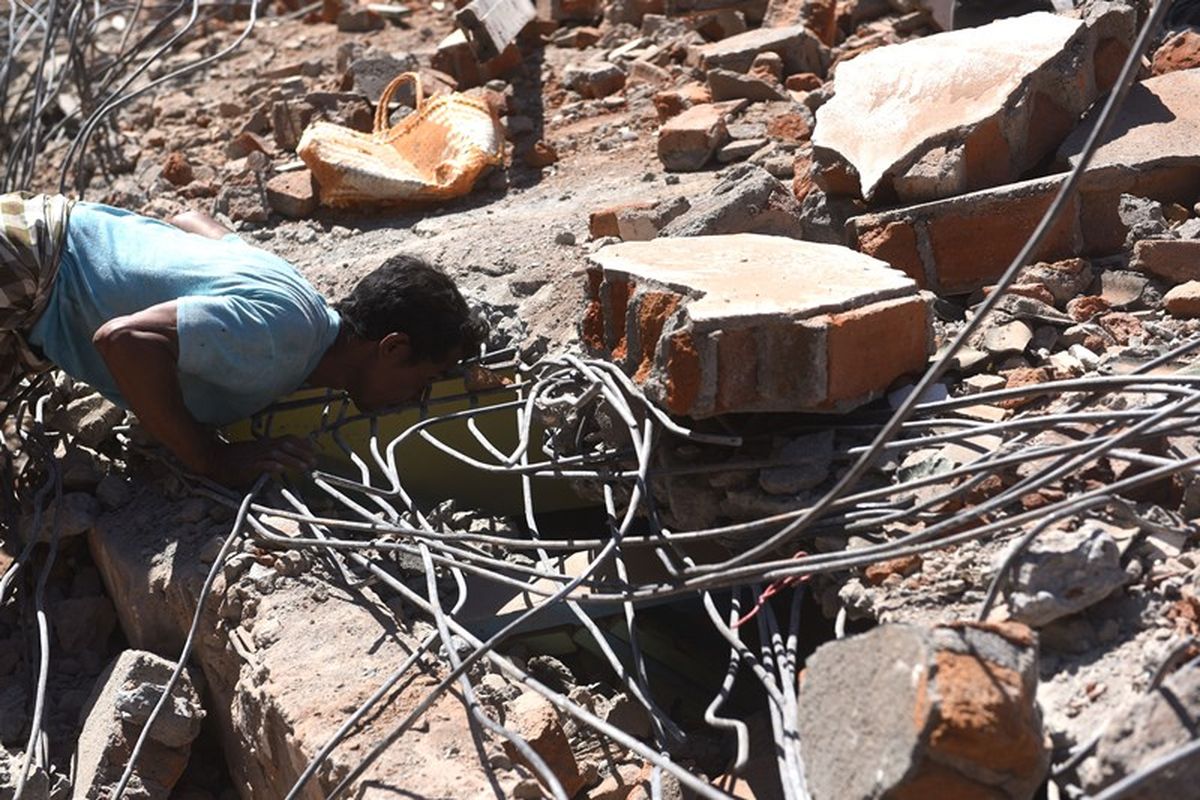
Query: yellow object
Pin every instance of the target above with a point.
(435, 153)
(426, 472)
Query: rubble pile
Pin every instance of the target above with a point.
(741, 232)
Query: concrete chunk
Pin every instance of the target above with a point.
(688, 140)
(800, 50)
(119, 707)
(1151, 727)
(935, 712)
(960, 110)
(747, 322)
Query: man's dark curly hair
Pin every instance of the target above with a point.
(407, 295)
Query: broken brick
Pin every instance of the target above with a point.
(177, 169)
(672, 102)
(687, 141)
(292, 194)
(939, 712)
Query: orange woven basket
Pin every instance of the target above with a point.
(435, 153)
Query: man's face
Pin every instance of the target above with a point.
(393, 377)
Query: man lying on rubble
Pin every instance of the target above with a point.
(189, 327)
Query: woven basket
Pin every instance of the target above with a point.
(435, 153)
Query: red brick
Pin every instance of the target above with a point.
(1174, 260)
(1107, 62)
(672, 102)
(987, 156)
(802, 82)
(1048, 127)
(895, 243)
(606, 221)
(653, 311)
(871, 346)
(789, 128)
(616, 299)
(974, 246)
(177, 170)
(687, 141)
(292, 194)
(683, 372)
(983, 719)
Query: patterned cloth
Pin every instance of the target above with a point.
(32, 231)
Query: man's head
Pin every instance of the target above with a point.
(413, 325)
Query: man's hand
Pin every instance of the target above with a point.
(241, 463)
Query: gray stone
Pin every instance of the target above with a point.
(740, 150)
(1189, 230)
(1151, 727)
(289, 118)
(808, 460)
(370, 75)
(113, 492)
(83, 623)
(725, 84)
(120, 705)
(1144, 219)
(37, 785)
(90, 419)
(924, 707)
(747, 200)
(359, 20)
(1063, 572)
(594, 79)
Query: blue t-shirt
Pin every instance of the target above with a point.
(250, 328)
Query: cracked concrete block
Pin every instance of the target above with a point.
(966, 109)
(119, 707)
(748, 322)
(1150, 727)
(1175, 261)
(937, 712)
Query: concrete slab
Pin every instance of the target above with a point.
(962, 110)
(286, 655)
(749, 322)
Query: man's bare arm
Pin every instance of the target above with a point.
(199, 223)
(141, 351)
